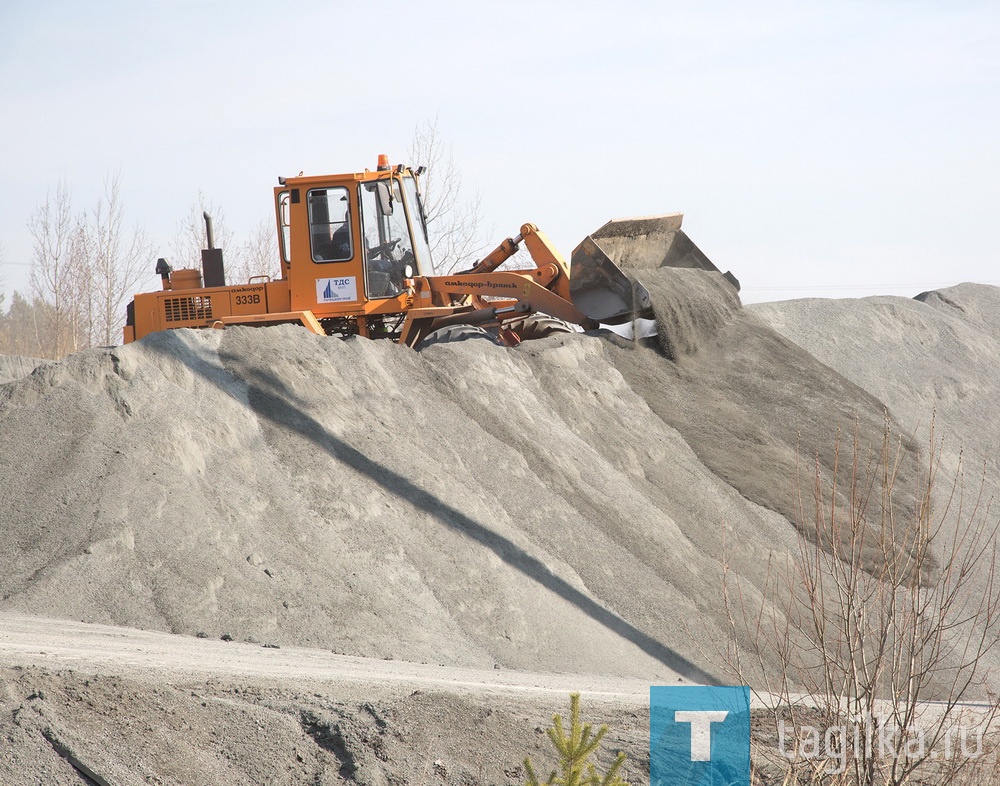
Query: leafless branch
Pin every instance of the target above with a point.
(881, 614)
(455, 224)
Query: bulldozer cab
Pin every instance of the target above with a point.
(349, 242)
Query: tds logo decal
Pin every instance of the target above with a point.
(699, 736)
(337, 290)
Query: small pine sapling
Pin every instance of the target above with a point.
(575, 749)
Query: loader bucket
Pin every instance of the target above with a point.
(606, 266)
(601, 290)
(651, 242)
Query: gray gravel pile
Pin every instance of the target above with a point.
(465, 505)
(251, 732)
(934, 354)
(933, 360)
(564, 506)
(759, 411)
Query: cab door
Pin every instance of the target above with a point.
(325, 267)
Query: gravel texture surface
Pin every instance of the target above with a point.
(563, 508)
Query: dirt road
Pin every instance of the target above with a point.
(109, 650)
(180, 709)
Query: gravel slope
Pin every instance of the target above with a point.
(565, 507)
(562, 506)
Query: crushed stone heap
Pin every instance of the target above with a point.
(563, 506)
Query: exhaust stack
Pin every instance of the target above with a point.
(211, 258)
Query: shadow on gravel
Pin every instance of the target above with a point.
(271, 400)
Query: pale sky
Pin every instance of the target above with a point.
(831, 149)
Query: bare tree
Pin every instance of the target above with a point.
(118, 260)
(80, 285)
(256, 256)
(84, 268)
(888, 651)
(20, 332)
(455, 223)
(55, 270)
(190, 238)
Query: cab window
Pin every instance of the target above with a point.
(330, 225)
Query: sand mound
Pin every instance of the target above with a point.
(932, 359)
(558, 507)
(760, 412)
(128, 731)
(934, 353)
(465, 505)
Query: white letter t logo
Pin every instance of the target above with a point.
(701, 730)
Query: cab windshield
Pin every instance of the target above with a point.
(388, 212)
(418, 221)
